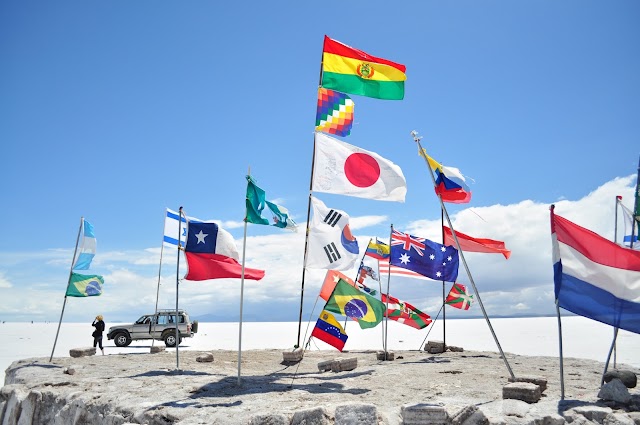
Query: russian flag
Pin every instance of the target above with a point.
(595, 277)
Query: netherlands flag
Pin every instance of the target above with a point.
(595, 277)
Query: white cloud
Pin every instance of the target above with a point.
(522, 284)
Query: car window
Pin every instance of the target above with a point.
(162, 319)
(142, 320)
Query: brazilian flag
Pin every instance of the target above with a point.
(349, 301)
(82, 285)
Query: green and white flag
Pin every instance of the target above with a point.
(256, 202)
(81, 285)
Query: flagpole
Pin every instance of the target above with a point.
(635, 222)
(306, 240)
(422, 151)
(551, 211)
(244, 247)
(153, 340)
(180, 214)
(386, 315)
(444, 314)
(75, 251)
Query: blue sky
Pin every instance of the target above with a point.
(115, 111)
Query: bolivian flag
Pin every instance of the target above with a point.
(350, 302)
(350, 70)
(81, 285)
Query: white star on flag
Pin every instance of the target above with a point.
(201, 236)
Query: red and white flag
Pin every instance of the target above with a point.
(345, 169)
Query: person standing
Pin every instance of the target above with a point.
(98, 323)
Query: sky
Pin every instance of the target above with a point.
(116, 111)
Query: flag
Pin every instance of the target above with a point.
(330, 281)
(172, 227)
(595, 277)
(353, 71)
(405, 313)
(329, 330)
(471, 244)
(348, 170)
(256, 202)
(331, 244)
(335, 112)
(87, 248)
(211, 253)
(350, 302)
(629, 222)
(450, 184)
(81, 285)
(378, 250)
(363, 272)
(385, 270)
(423, 256)
(459, 297)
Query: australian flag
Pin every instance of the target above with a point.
(430, 259)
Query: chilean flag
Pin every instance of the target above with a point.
(595, 277)
(212, 254)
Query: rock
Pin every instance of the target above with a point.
(424, 414)
(317, 416)
(592, 413)
(269, 419)
(292, 356)
(157, 349)
(205, 358)
(538, 380)
(455, 349)
(524, 391)
(435, 347)
(463, 414)
(340, 365)
(519, 408)
(615, 390)
(82, 352)
(382, 355)
(360, 414)
(628, 378)
(325, 365)
(618, 419)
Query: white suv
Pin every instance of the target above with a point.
(160, 326)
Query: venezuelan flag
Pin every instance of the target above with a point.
(329, 330)
(350, 70)
(450, 183)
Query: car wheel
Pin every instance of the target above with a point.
(170, 339)
(122, 339)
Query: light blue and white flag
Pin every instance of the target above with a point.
(87, 248)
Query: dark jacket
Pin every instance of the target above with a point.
(99, 325)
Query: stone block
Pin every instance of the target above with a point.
(157, 348)
(390, 355)
(360, 414)
(82, 352)
(325, 365)
(455, 349)
(424, 414)
(525, 391)
(340, 365)
(435, 347)
(269, 419)
(538, 380)
(292, 356)
(205, 358)
(317, 416)
(628, 377)
(463, 414)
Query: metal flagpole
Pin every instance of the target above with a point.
(75, 251)
(155, 320)
(244, 246)
(177, 335)
(423, 153)
(559, 324)
(386, 316)
(444, 314)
